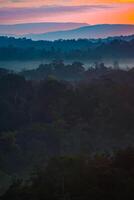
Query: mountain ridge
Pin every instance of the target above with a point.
(88, 32)
(41, 27)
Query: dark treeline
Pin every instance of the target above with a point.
(57, 69)
(52, 117)
(77, 72)
(82, 49)
(99, 177)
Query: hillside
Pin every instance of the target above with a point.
(95, 31)
(21, 29)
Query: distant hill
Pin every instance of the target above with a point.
(95, 31)
(36, 28)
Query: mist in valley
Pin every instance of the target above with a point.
(19, 66)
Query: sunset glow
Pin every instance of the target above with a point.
(95, 12)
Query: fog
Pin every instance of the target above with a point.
(21, 65)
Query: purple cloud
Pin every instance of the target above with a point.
(13, 14)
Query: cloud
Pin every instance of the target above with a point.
(45, 11)
(95, 13)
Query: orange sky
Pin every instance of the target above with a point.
(106, 11)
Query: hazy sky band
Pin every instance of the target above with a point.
(34, 3)
(22, 11)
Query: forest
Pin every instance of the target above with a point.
(81, 49)
(67, 132)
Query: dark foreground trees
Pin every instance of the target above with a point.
(40, 120)
(98, 177)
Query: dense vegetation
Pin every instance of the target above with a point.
(100, 177)
(82, 49)
(57, 69)
(50, 116)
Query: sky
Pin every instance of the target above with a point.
(85, 11)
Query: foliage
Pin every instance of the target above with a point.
(98, 177)
(82, 49)
(68, 120)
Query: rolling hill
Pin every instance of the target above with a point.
(36, 28)
(95, 31)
